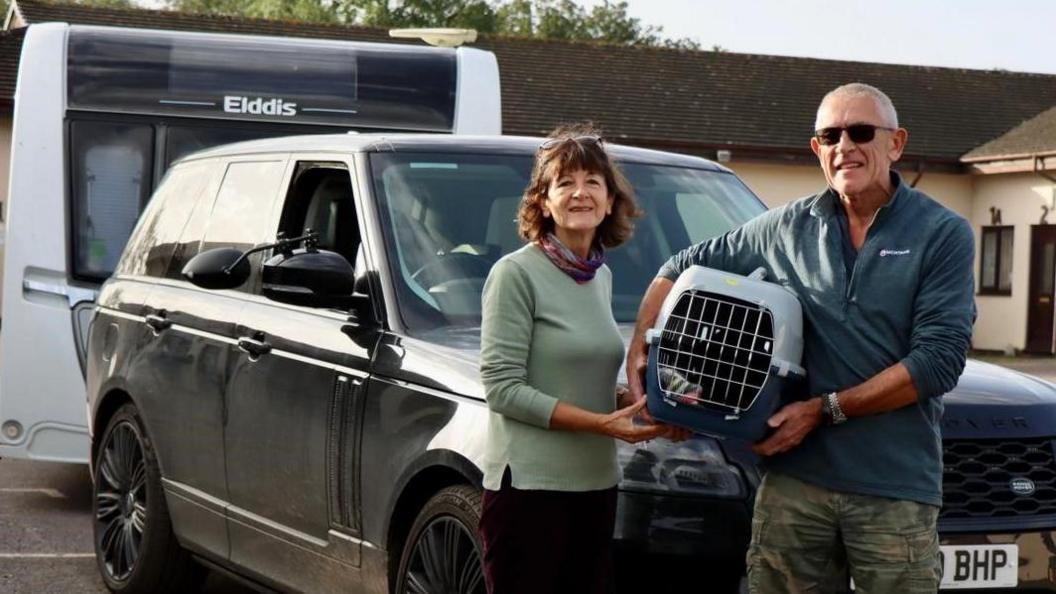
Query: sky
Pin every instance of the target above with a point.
(1017, 35)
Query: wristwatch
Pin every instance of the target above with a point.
(831, 413)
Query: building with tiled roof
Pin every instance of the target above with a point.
(690, 101)
(753, 112)
(1022, 146)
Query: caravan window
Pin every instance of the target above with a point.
(181, 141)
(111, 179)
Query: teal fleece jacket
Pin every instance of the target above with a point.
(908, 298)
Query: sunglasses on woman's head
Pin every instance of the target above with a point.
(552, 142)
(858, 133)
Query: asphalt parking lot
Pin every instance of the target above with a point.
(46, 532)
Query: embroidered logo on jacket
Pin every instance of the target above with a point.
(886, 253)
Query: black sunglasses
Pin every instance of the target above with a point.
(858, 133)
(552, 142)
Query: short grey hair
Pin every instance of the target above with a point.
(887, 109)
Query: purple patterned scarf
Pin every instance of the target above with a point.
(581, 270)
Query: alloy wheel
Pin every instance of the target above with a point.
(121, 500)
(445, 560)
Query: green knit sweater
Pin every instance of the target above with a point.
(546, 339)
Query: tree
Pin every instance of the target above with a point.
(6, 4)
(545, 19)
(298, 10)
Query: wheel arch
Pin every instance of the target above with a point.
(112, 399)
(432, 472)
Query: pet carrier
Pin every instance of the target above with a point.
(723, 349)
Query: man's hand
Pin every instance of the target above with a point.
(638, 351)
(793, 422)
(636, 364)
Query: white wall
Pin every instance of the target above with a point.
(779, 184)
(954, 191)
(5, 169)
(1002, 321)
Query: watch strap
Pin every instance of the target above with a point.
(835, 413)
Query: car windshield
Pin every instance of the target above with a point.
(448, 217)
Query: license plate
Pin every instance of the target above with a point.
(979, 566)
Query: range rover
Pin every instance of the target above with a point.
(283, 385)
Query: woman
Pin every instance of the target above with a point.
(550, 352)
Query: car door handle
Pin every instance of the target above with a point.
(157, 322)
(254, 347)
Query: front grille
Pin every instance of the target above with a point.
(715, 351)
(978, 477)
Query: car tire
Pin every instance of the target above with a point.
(135, 548)
(427, 566)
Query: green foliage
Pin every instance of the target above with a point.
(6, 4)
(544, 19)
(297, 10)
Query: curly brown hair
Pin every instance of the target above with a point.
(570, 148)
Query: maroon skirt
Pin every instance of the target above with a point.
(538, 541)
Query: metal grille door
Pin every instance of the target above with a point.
(715, 351)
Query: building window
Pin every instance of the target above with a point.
(995, 274)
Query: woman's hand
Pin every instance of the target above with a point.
(625, 398)
(620, 424)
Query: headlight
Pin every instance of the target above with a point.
(693, 467)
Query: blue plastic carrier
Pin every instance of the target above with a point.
(722, 351)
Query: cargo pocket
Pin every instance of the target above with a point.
(925, 571)
(922, 546)
(756, 566)
(759, 521)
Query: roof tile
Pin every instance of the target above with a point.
(693, 100)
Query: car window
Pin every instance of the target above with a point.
(158, 232)
(448, 218)
(239, 217)
(320, 200)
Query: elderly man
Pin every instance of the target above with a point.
(853, 475)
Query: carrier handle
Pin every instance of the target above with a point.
(758, 274)
(652, 336)
(784, 368)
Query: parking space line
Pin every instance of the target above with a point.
(49, 492)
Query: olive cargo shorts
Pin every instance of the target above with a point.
(810, 539)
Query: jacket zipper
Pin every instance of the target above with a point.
(854, 269)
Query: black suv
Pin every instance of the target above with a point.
(282, 378)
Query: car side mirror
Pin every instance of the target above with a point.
(218, 268)
(362, 284)
(316, 278)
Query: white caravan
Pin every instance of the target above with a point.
(101, 112)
